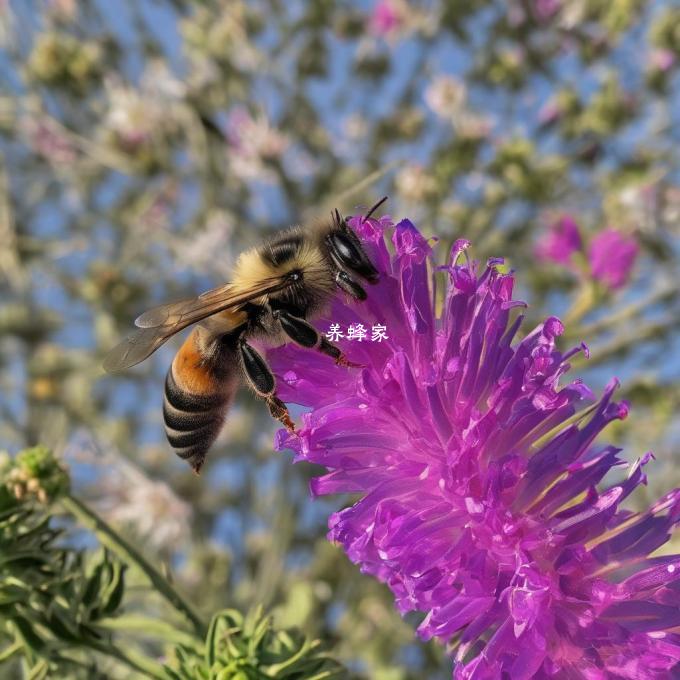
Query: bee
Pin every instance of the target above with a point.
(276, 289)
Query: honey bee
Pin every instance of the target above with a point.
(276, 289)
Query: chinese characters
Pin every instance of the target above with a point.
(358, 332)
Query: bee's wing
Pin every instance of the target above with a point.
(160, 323)
(196, 307)
(140, 344)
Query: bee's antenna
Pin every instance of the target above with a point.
(374, 208)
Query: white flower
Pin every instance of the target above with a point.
(670, 211)
(572, 14)
(446, 96)
(473, 125)
(355, 127)
(252, 141)
(209, 250)
(414, 183)
(160, 81)
(137, 115)
(125, 496)
(44, 136)
(65, 10)
(131, 117)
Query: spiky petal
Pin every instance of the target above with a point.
(482, 501)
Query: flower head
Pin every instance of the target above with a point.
(415, 183)
(612, 255)
(140, 122)
(560, 242)
(252, 142)
(33, 474)
(662, 59)
(126, 496)
(46, 139)
(546, 9)
(445, 96)
(385, 17)
(481, 501)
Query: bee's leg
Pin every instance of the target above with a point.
(305, 335)
(261, 379)
(345, 282)
(340, 359)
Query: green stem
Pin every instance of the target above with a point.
(10, 651)
(582, 304)
(605, 351)
(149, 626)
(109, 538)
(137, 661)
(271, 569)
(628, 312)
(362, 184)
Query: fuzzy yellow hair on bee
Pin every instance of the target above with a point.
(277, 287)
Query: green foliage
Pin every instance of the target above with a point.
(145, 144)
(60, 606)
(61, 60)
(34, 474)
(665, 30)
(249, 648)
(52, 598)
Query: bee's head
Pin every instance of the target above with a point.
(346, 250)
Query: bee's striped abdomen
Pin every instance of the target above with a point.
(198, 391)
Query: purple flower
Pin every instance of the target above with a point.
(546, 9)
(612, 255)
(481, 500)
(385, 18)
(662, 59)
(46, 139)
(549, 113)
(560, 242)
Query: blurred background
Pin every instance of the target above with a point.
(145, 143)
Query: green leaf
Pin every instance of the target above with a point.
(60, 625)
(93, 585)
(39, 671)
(29, 637)
(112, 596)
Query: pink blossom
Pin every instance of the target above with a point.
(46, 139)
(611, 256)
(546, 9)
(662, 59)
(385, 18)
(560, 242)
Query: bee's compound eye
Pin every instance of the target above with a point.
(351, 255)
(345, 249)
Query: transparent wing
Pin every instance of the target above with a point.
(140, 344)
(159, 324)
(199, 307)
